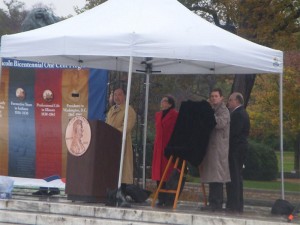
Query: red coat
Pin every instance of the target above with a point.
(163, 131)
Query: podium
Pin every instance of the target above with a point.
(90, 175)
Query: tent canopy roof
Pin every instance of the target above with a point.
(164, 33)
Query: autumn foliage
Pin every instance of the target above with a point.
(264, 104)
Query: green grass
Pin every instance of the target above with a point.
(272, 185)
(288, 161)
(262, 185)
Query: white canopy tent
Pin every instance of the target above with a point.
(135, 35)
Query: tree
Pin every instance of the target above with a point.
(292, 102)
(223, 13)
(89, 5)
(273, 23)
(10, 21)
(264, 107)
(4, 21)
(15, 19)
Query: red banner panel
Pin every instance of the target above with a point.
(48, 103)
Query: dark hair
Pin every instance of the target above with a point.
(217, 90)
(171, 100)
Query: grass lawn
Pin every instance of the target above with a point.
(273, 185)
(263, 185)
(288, 163)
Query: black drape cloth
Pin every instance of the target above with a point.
(191, 133)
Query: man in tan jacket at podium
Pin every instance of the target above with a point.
(115, 118)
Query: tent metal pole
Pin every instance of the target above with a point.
(145, 126)
(125, 121)
(281, 131)
(0, 68)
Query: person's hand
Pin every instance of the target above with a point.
(111, 98)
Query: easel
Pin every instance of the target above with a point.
(177, 191)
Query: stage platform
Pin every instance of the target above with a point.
(25, 208)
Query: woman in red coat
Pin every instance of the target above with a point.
(164, 124)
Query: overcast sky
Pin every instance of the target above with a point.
(61, 7)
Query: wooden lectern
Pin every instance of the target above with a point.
(90, 175)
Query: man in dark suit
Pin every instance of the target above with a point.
(238, 147)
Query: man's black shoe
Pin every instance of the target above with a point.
(211, 208)
(233, 211)
(54, 191)
(41, 191)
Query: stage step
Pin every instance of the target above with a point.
(45, 211)
(13, 217)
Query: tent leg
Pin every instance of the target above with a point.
(125, 121)
(145, 128)
(281, 132)
(0, 68)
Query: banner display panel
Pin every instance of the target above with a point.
(4, 122)
(37, 100)
(97, 94)
(74, 102)
(21, 123)
(48, 122)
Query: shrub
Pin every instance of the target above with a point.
(193, 171)
(261, 163)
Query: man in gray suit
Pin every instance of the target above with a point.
(214, 168)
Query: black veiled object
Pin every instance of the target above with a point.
(191, 133)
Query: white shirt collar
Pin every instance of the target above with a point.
(236, 108)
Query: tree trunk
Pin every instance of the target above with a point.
(243, 83)
(297, 154)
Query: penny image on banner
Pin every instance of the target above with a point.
(78, 135)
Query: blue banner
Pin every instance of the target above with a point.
(97, 94)
(21, 123)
